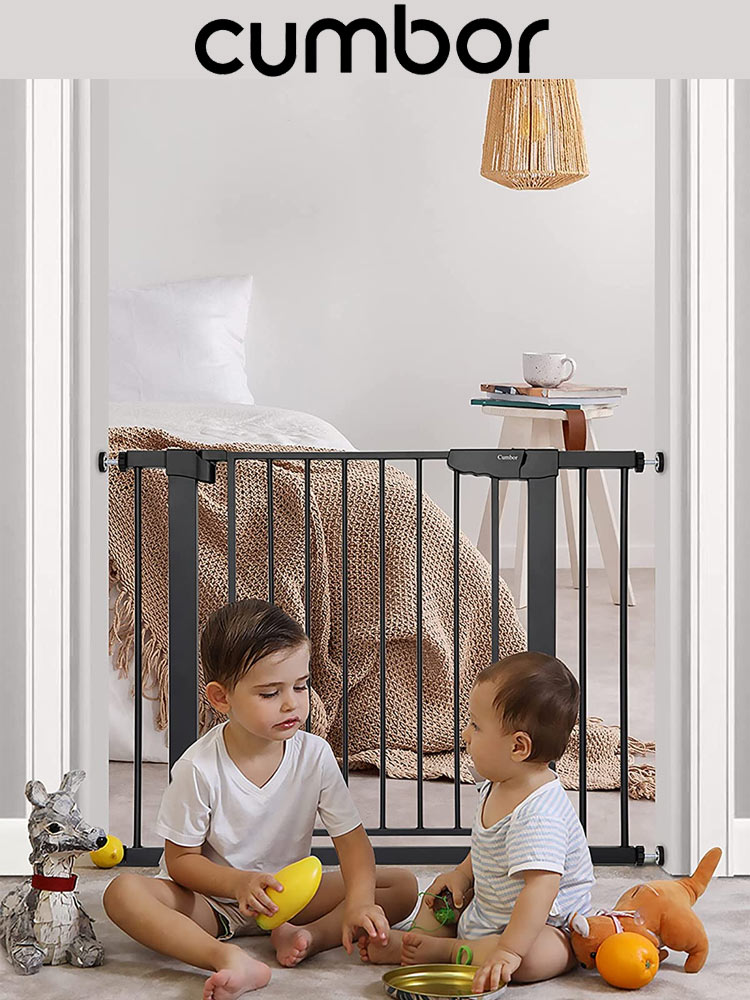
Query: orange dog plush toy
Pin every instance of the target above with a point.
(661, 911)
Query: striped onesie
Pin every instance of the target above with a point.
(542, 833)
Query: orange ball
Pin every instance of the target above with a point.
(627, 960)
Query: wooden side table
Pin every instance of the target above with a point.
(524, 427)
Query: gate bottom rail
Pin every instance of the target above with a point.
(425, 854)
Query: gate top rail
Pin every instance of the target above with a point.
(513, 463)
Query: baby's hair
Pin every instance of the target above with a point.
(535, 694)
(238, 635)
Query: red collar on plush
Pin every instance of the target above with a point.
(52, 884)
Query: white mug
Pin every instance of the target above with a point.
(547, 370)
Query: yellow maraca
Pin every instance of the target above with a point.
(300, 881)
(110, 855)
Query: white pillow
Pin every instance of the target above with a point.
(180, 342)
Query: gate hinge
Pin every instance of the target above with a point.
(657, 461)
(644, 857)
(197, 465)
(104, 463)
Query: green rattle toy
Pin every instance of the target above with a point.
(444, 914)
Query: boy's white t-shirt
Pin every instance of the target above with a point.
(210, 802)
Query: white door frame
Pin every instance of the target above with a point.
(66, 540)
(89, 568)
(694, 516)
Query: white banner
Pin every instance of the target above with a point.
(585, 38)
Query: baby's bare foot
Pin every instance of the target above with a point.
(240, 974)
(422, 949)
(373, 950)
(292, 944)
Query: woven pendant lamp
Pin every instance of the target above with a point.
(534, 136)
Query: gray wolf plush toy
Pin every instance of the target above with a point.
(41, 920)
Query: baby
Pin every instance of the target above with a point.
(529, 868)
(241, 805)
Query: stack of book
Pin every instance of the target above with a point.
(565, 397)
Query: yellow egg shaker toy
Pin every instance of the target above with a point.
(110, 855)
(300, 881)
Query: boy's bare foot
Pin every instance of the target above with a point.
(422, 949)
(372, 950)
(292, 944)
(240, 974)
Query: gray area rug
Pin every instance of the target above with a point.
(131, 971)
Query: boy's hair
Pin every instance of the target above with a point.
(238, 635)
(535, 694)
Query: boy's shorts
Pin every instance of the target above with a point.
(232, 923)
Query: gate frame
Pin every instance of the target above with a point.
(538, 467)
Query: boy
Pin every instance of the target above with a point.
(242, 804)
(529, 868)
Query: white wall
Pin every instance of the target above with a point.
(390, 278)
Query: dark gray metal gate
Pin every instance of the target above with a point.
(539, 468)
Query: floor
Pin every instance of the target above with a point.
(132, 971)
(602, 673)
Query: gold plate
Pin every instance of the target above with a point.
(435, 982)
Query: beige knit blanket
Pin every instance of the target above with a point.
(326, 578)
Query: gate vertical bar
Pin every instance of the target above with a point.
(495, 561)
(307, 548)
(345, 615)
(420, 762)
(542, 561)
(138, 667)
(381, 561)
(308, 721)
(183, 615)
(231, 530)
(582, 646)
(456, 651)
(623, 595)
(269, 499)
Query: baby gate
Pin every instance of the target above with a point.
(538, 468)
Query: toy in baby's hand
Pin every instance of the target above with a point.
(660, 911)
(444, 909)
(300, 881)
